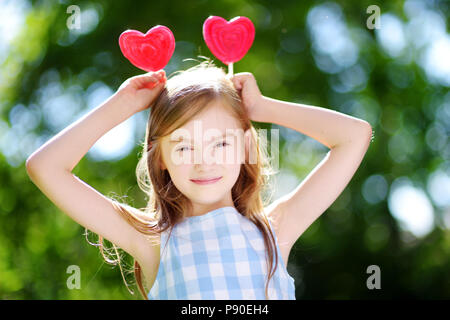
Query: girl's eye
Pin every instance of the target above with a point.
(181, 149)
(223, 144)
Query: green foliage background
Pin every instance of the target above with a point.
(38, 242)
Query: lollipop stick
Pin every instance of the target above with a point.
(230, 69)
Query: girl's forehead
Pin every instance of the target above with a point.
(199, 130)
(213, 122)
(216, 109)
(212, 119)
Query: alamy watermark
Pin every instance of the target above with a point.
(74, 20)
(374, 281)
(74, 280)
(373, 21)
(229, 148)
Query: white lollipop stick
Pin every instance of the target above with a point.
(230, 69)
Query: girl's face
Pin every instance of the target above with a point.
(211, 145)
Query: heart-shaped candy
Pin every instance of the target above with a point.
(228, 41)
(151, 51)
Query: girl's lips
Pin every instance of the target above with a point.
(206, 181)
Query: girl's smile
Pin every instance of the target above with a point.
(206, 181)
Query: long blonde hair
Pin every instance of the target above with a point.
(186, 94)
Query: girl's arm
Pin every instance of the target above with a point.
(329, 127)
(347, 137)
(50, 168)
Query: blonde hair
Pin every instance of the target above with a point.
(186, 94)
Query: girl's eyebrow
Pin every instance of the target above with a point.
(181, 138)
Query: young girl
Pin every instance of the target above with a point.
(205, 233)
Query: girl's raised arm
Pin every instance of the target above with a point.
(50, 167)
(347, 137)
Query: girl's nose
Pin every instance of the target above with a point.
(201, 156)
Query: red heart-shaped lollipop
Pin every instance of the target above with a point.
(228, 41)
(151, 51)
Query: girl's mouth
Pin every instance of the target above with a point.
(206, 181)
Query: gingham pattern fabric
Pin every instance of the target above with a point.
(218, 255)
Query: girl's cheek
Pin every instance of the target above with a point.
(184, 170)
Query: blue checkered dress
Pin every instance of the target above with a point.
(218, 255)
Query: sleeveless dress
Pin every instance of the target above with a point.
(218, 255)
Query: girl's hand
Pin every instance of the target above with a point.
(140, 91)
(251, 97)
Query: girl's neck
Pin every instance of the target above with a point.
(201, 209)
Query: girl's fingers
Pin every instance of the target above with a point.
(152, 84)
(148, 82)
(160, 77)
(237, 84)
(160, 74)
(152, 78)
(157, 74)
